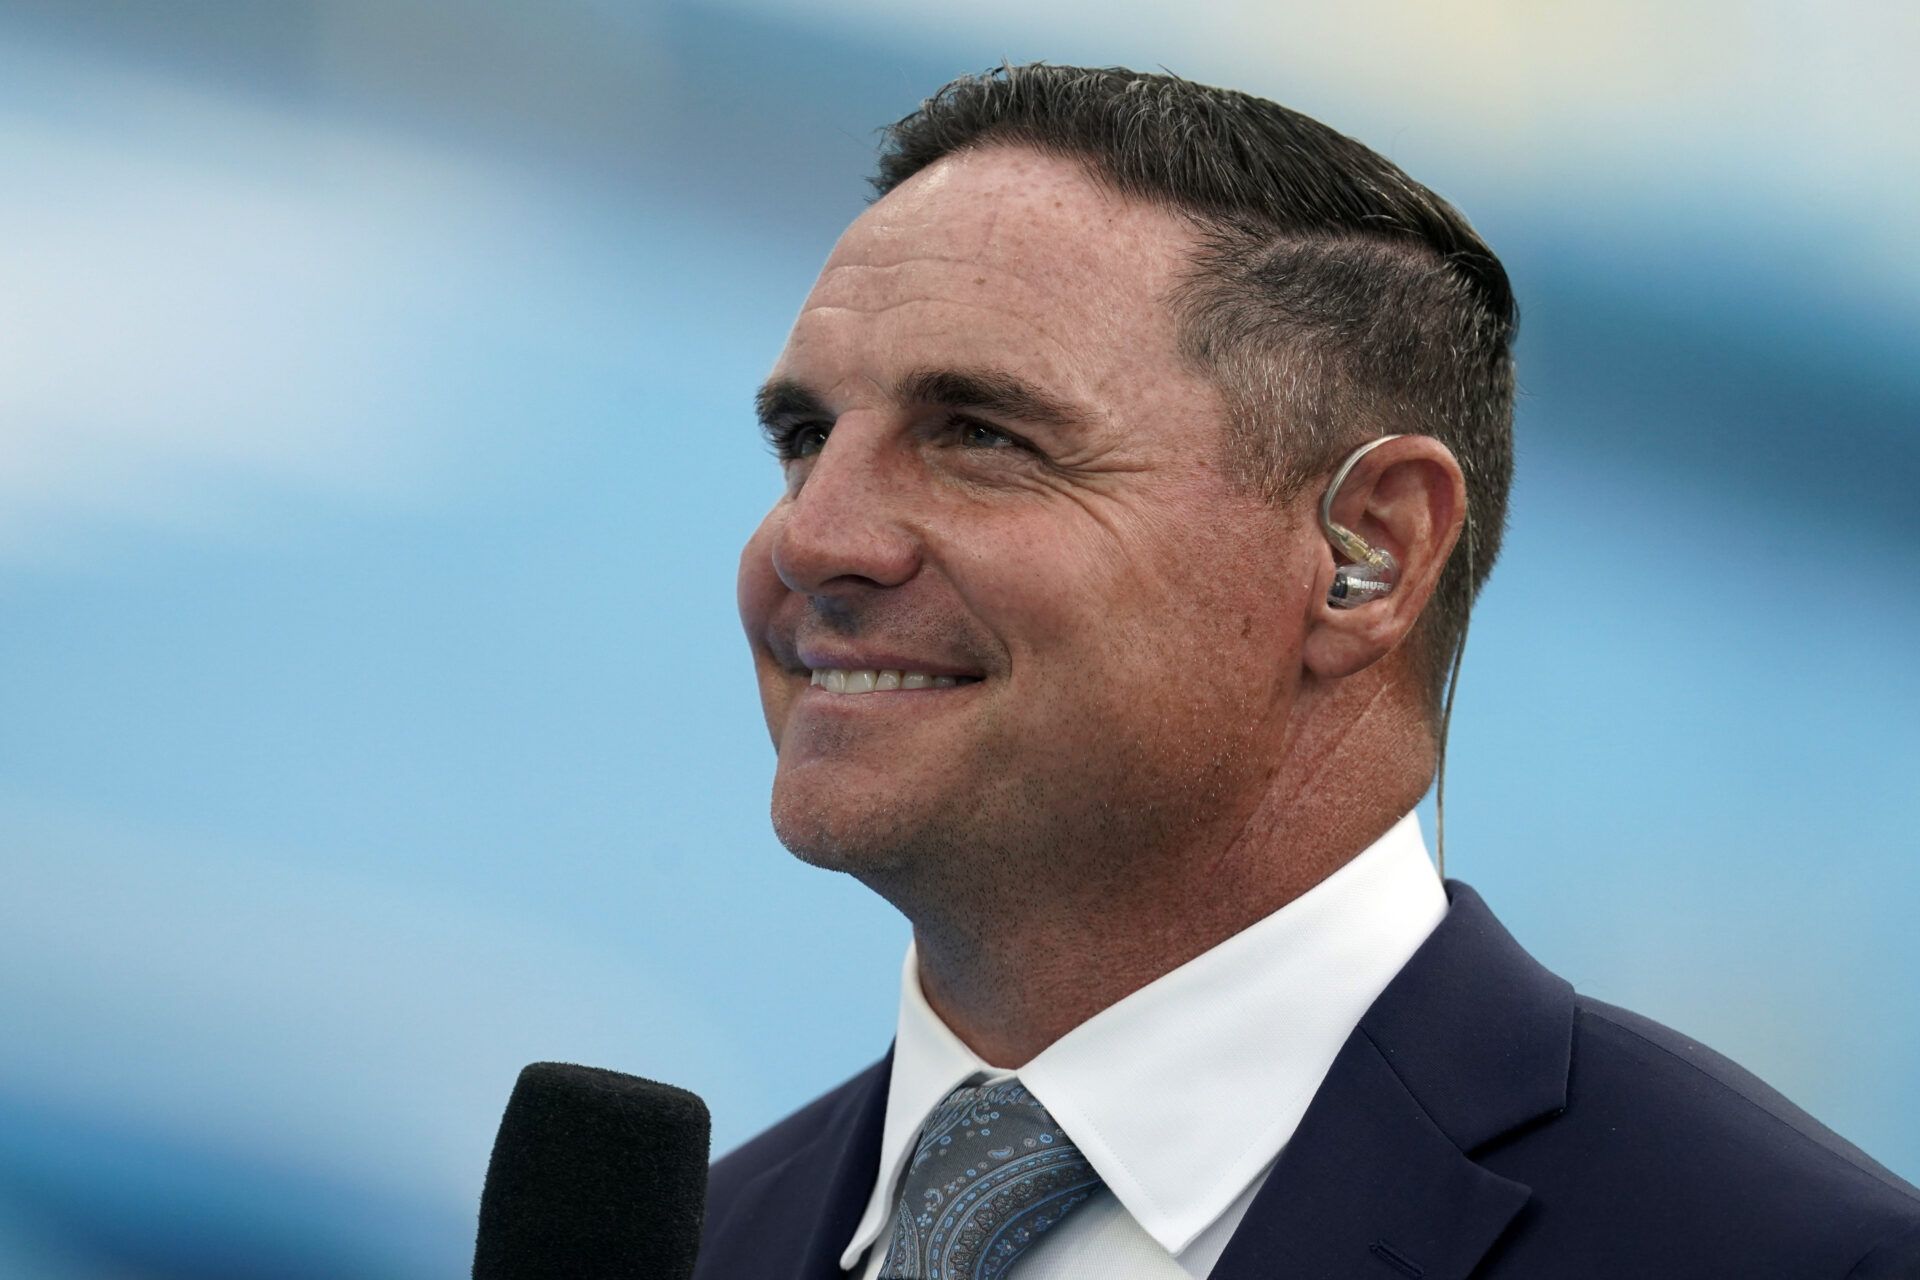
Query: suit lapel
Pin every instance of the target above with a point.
(794, 1218)
(1369, 1187)
(1468, 1042)
(849, 1163)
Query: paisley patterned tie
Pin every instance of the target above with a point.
(990, 1174)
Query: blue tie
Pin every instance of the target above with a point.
(990, 1175)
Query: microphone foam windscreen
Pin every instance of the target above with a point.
(595, 1175)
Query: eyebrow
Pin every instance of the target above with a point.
(994, 390)
(782, 399)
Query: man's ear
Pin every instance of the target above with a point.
(1406, 497)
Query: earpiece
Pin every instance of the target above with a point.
(1371, 572)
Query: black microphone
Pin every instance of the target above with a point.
(595, 1175)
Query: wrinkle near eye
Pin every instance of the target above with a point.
(1102, 459)
(1034, 477)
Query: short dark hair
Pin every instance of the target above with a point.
(1332, 298)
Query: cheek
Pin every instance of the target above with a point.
(758, 588)
(758, 592)
(1184, 603)
(1043, 595)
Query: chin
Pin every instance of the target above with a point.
(861, 835)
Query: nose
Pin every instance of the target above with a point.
(848, 525)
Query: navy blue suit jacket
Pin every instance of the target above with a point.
(1482, 1120)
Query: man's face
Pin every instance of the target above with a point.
(1001, 470)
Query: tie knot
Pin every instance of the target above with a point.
(995, 1121)
(990, 1174)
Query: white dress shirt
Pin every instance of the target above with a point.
(1182, 1094)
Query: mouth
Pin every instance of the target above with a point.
(849, 681)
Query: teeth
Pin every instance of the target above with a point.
(834, 680)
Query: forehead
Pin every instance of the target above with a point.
(1000, 256)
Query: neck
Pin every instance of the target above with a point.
(1011, 981)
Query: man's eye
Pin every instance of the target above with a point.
(805, 439)
(801, 440)
(978, 435)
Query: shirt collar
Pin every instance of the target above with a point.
(1181, 1093)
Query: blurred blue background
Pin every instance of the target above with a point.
(375, 449)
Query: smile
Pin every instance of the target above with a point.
(836, 680)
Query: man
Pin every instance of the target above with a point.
(1063, 657)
